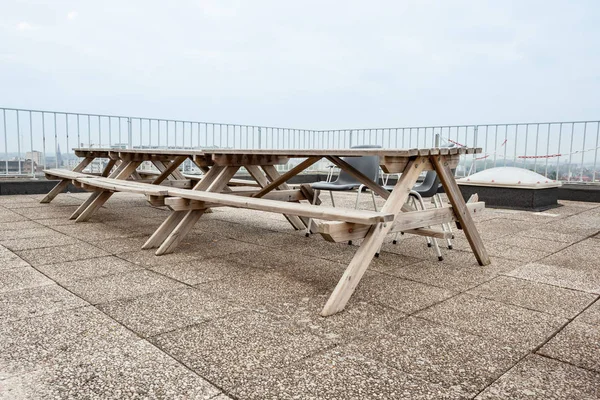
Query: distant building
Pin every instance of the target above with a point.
(23, 167)
(36, 156)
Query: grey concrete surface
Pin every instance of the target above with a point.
(234, 312)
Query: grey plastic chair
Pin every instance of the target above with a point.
(429, 187)
(368, 165)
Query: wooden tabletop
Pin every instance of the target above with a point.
(296, 153)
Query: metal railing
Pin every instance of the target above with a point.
(36, 139)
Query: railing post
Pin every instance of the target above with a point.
(129, 135)
(259, 138)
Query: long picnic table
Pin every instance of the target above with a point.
(189, 197)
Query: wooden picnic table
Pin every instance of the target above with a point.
(189, 202)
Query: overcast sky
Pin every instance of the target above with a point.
(305, 64)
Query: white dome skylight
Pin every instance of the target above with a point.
(509, 177)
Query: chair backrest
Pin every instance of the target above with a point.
(368, 165)
(431, 183)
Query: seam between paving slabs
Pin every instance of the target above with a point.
(135, 333)
(537, 348)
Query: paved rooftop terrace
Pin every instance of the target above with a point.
(234, 312)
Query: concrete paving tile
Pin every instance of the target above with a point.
(314, 246)
(451, 276)
(16, 198)
(581, 256)
(585, 281)
(572, 227)
(197, 271)
(230, 351)
(538, 377)
(553, 236)
(516, 253)
(97, 232)
(21, 278)
(83, 354)
(553, 300)
(262, 258)
(103, 289)
(340, 374)
(317, 272)
(52, 255)
(160, 312)
(400, 294)
(265, 291)
(9, 260)
(88, 268)
(5, 227)
(221, 397)
(357, 319)
(122, 245)
(516, 326)
(36, 301)
(46, 211)
(29, 343)
(591, 315)
(578, 344)
(9, 216)
(546, 245)
(147, 258)
(439, 354)
(55, 221)
(51, 240)
(36, 230)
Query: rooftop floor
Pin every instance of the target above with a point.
(234, 312)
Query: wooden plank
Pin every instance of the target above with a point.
(273, 175)
(62, 185)
(306, 210)
(205, 154)
(372, 243)
(460, 208)
(108, 167)
(179, 203)
(120, 166)
(169, 170)
(362, 178)
(241, 160)
(279, 180)
(192, 216)
(344, 231)
(430, 232)
(164, 230)
(124, 173)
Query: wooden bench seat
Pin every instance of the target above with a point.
(59, 173)
(210, 199)
(232, 182)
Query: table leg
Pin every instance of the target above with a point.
(260, 178)
(129, 168)
(169, 170)
(374, 239)
(297, 222)
(62, 185)
(460, 208)
(223, 176)
(165, 229)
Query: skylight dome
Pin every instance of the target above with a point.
(509, 177)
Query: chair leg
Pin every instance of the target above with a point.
(332, 201)
(437, 201)
(315, 197)
(360, 188)
(430, 241)
(374, 202)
